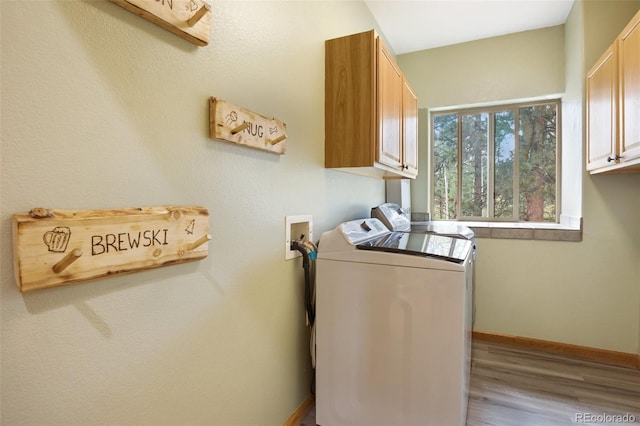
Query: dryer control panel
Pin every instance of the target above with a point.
(392, 216)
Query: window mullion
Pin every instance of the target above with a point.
(516, 165)
(491, 159)
(458, 200)
(558, 191)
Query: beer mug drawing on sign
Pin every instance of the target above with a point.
(57, 239)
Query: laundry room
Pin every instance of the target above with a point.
(185, 305)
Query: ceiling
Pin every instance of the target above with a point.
(411, 25)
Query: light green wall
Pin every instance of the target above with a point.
(617, 196)
(603, 21)
(584, 293)
(489, 70)
(103, 109)
(514, 66)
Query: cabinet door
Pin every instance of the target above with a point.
(602, 110)
(350, 101)
(410, 128)
(389, 109)
(629, 52)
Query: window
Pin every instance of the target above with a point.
(497, 163)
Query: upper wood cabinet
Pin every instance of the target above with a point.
(371, 111)
(410, 130)
(613, 106)
(629, 89)
(602, 96)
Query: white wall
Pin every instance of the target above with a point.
(103, 109)
(584, 293)
(573, 158)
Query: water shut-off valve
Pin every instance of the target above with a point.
(306, 248)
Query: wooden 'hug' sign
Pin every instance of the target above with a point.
(59, 247)
(235, 124)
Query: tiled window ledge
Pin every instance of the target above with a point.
(525, 231)
(570, 229)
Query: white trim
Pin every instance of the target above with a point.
(521, 225)
(571, 222)
(497, 103)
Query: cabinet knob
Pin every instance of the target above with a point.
(614, 158)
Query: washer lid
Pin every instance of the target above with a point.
(450, 248)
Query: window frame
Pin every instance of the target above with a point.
(492, 109)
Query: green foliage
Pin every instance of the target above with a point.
(524, 187)
(538, 163)
(475, 139)
(504, 152)
(445, 165)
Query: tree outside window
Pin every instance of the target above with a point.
(496, 164)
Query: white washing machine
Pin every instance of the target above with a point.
(393, 326)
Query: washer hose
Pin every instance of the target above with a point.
(308, 251)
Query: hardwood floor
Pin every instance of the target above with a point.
(523, 387)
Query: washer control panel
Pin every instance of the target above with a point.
(357, 231)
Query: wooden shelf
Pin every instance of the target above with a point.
(189, 19)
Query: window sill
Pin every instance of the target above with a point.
(569, 229)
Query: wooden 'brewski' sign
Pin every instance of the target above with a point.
(235, 124)
(59, 247)
(190, 19)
